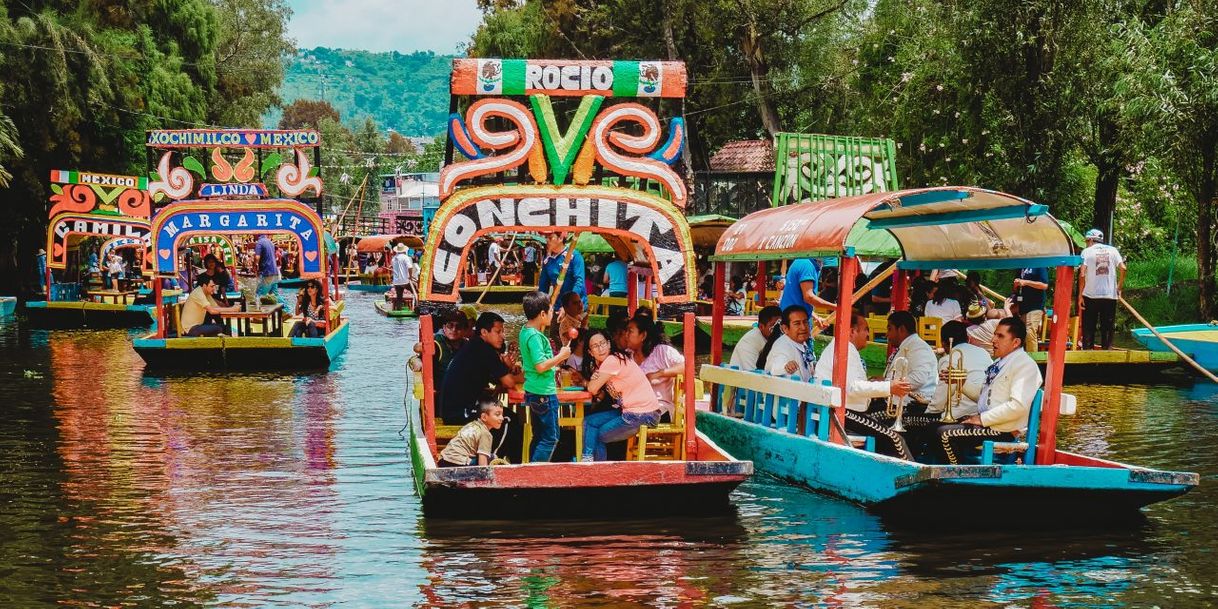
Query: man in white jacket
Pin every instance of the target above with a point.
(859, 392)
(920, 367)
(1005, 400)
(792, 353)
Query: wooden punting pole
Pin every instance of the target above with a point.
(718, 308)
(1050, 407)
(158, 298)
(848, 270)
(691, 443)
(759, 284)
(427, 335)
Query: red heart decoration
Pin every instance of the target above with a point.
(310, 256)
(165, 254)
(249, 138)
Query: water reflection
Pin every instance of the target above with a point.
(273, 490)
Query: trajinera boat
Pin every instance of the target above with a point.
(641, 202)
(1198, 340)
(795, 430)
(93, 215)
(255, 335)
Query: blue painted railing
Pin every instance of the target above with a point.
(776, 411)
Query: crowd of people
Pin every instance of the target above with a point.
(629, 368)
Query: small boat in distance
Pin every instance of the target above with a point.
(1200, 341)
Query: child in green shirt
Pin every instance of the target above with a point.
(538, 360)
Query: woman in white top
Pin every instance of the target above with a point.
(943, 304)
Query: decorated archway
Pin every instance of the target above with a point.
(656, 225)
(64, 227)
(176, 224)
(220, 243)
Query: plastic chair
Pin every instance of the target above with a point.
(928, 329)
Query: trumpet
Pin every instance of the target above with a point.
(954, 375)
(896, 406)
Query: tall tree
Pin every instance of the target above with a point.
(307, 113)
(1170, 90)
(250, 53)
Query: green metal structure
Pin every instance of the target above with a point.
(813, 167)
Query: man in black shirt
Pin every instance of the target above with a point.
(475, 368)
(1030, 289)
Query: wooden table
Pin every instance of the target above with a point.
(272, 324)
(112, 296)
(570, 414)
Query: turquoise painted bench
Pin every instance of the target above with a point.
(778, 411)
(1009, 452)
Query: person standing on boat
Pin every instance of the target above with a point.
(636, 405)
(402, 270)
(1100, 281)
(529, 263)
(539, 362)
(268, 269)
(792, 353)
(860, 391)
(802, 287)
(1005, 401)
(475, 368)
(494, 258)
(1030, 289)
(744, 356)
(573, 281)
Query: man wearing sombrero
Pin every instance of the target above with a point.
(402, 264)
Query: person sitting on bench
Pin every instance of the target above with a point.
(1011, 384)
(859, 391)
(200, 314)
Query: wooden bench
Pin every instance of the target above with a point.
(928, 330)
(664, 440)
(599, 305)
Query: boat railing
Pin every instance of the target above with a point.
(783, 403)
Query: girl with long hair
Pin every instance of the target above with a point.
(311, 306)
(635, 403)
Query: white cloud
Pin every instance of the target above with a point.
(384, 25)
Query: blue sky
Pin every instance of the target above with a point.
(383, 25)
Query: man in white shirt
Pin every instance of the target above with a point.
(792, 352)
(1100, 280)
(922, 370)
(402, 270)
(494, 257)
(748, 348)
(1005, 400)
(859, 392)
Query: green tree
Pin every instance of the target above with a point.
(250, 53)
(307, 114)
(1169, 89)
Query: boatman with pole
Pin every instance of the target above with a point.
(1101, 278)
(554, 264)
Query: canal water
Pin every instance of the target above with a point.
(222, 490)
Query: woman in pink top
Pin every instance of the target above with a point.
(660, 361)
(617, 374)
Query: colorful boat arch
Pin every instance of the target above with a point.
(67, 225)
(656, 225)
(228, 253)
(176, 224)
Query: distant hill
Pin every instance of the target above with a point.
(408, 93)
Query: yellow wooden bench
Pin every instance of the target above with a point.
(928, 329)
(664, 440)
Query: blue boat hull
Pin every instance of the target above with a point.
(907, 492)
(360, 287)
(1203, 350)
(8, 304)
